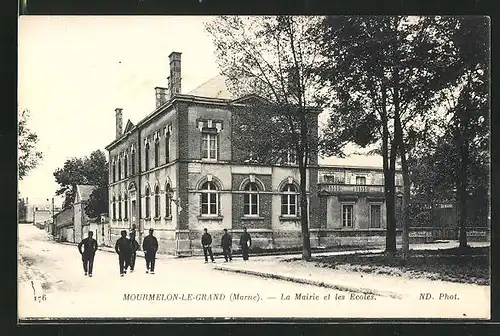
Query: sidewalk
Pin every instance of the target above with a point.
(377, 284)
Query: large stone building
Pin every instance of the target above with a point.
(177, 171)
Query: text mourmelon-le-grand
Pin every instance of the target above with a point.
(188, 297)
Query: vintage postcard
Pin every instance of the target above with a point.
(253, 167)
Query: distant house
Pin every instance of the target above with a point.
(73, 224)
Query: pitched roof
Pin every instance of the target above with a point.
(214, 88)
(83, 192)
(129, 126)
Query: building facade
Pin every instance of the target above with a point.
(178, 172)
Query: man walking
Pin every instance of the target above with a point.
(245, 243)
(134, 246)
(150, 246)
(226, 243)
(122, 248)
(89, 248)
(206, 242)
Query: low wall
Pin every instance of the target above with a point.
(265, 239)
(429, 234)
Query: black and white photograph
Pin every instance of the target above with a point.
(236, 167)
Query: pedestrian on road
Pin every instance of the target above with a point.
(226, 243)
(150, 247)
(134, 246)
(206, 241)
(122, 247)
(245, 243)
(89, 248)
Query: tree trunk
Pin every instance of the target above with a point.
(462, 192)
(388, 164)
(390, 199)
(304, 224)
(304, 211)
(398, 137)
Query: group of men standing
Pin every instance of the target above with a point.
(126, 248)
(226, 243)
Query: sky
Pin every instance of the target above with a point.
(74, 71)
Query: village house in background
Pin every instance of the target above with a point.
(36, 211)
(176, 171)
(72, 224)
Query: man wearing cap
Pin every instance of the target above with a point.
(89, 245)
(226, 243)
(150, 246)
(134, 246)
(206, 242)
(245, 243)
(122, 248)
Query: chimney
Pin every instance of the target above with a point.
(119, 122)
(161, 96)
(175, 73)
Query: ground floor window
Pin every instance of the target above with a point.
(251, 200)
(375, 210)
(347, 213)
(289, 201)
(209, 199)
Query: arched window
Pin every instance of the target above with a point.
(289, 200)
(120, 207)
(119, 168)
(168, 200)
(147, 204)
(114, 208)
(113, 168)
(157, 202)
(209, 199)
(251, 200)
(125, 206)
(132, 159)
(125, 166)
(157, 152)
(146, 157)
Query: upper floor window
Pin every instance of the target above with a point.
(146, 157)
(147, 204)
(251, 200)
(291, 157)
(125, 165)
(157, 202)
(119, 168)
(157, 152)
(347, 213)
(113, 169)
(209, 145)
(289, 200)
(209, 199)
(167, 147)
(132, 162)
(361, 180)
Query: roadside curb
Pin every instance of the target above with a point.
(390, 294)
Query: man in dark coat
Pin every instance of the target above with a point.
(122, 248)
(206, 242)
(226, 243)
(150, 247)
(134, 246)
(89, 248)
(245, 243)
